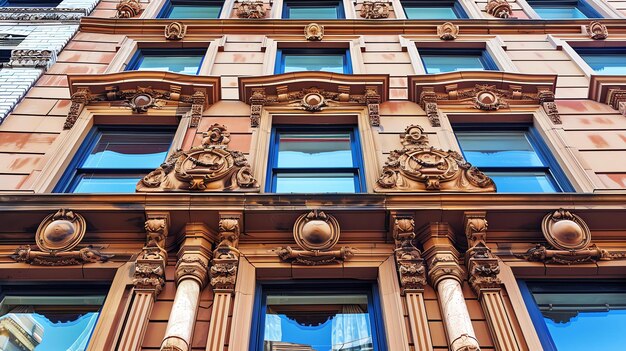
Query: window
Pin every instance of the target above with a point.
(568, 9)
(328, 60)
(577, 315)
(187, 9)
(604, 60)
(451, 60)
(428, 9)
(31, 321)
(309, 318)
(185, 61)
(313, 9)
(515, 158)
(315, 160)
(29, 3)
(114, 160)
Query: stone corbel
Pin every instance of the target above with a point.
(499, 8)
(410, 263)
(150, 264)
(257, 100)
(79, 99)
(428, 102)
(198, 100)
(374, 9)
(481, 263)
(226, 256)
(372, 99)
(546, 99)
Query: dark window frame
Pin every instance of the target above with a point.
(279, 66)
(374, 305)
(355, 144)
(551, 167)
(287, 4)
(72, 175)
(455, 5)
(581, 5)
(135, 62)
(167, 8)
(489, 64)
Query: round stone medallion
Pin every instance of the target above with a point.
(61, 231)
(316, 231)
(566, 231)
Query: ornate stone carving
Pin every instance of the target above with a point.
(226, 256)
(372, 99)
(208, 167)
(56, 236)
(499, 8)
(313, 32)
(41, 14)
(597, 31)
(175, 31)
(197, 107)
(31, 58)
(546, 99)
(79, 99)
(150, 264)
(482, 264)
(428, 101)
(569, 241)
(374, 9)
(410, 263)
(128, 9)
(444, 265)
(192, 266)
(448, 31)
(316, 233)
(419, 167)
(251, 9)
(616, 98)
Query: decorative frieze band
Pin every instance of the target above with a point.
(41, 14)
(31, 58)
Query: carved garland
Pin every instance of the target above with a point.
(374, 9)
(208, 167)
(420, 167)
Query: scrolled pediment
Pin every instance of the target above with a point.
(140, 91)
(314, 91)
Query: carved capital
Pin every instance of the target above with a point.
(448, 31)
(374, 9)
(597, 31)
(409, 261)
(444, 265)
(128, 9)
(499, 8)
(251, 9)
(193, 266)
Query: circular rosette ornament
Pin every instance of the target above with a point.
(565, 230)
(316, 231)
(60, 232)
(313, 102)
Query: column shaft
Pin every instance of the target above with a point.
(455, 316)
(182, 317)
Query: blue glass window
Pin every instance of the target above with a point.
(605, 60)
(420, 9)
(113, 161)
(313, 10)
(568, 9)
(189, 9)
(515, 159)
(452, 60)
(48, 323)
(315, 160)
(185, 61)
(295, 60)
(577, 315)
(309, 318)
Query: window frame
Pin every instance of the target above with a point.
(374, 306)
(168, 6)
(287, 4)
(551, 167)
(137, 58)
(71, 176)
(583, 6)
(279, 66)
(488, 62)
(586, 50)
(455, 5)
(355, 144)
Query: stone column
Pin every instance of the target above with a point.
(412, 273)
(191, 277)
(148, 280)
(483, 269)
(446, 275)
(223, 278)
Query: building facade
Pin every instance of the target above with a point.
(313, 175)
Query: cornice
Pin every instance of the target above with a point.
(342, 27)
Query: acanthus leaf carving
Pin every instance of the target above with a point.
(374, 9)
(499, 8)
(251, 9)
(419, 167)
(211, 166)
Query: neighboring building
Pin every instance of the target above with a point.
(314, 175)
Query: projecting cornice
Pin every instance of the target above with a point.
(483, 90)
(610, 90)
(152, 27)
(314, 91)
(142, 90)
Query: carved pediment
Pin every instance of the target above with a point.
(211, 166)
(484, 90)
(420, 167)
(140, 91)
(314, 91)
(610, 90)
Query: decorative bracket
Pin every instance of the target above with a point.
(226, 256)
(481, 263)
(150, 264)
(410, 263)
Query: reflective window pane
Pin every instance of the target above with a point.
(129, 150)
(502, 149)
(522, 182)
(317, 12)
(177, 64)
(109, 183)
(314, 150)
(318, 322)
(561, 12)
(192, 11)
(326, 63)
(430, 13)
(452, 63)
(315, 183)
(606, 63)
